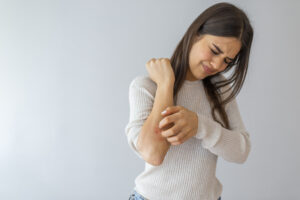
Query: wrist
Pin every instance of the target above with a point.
(166, 85)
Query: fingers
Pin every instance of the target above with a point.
(170, 116)
(176, 134)
(171, 131)
(169, 119)
(177, 142)
(180, 138)
(171, 110)
(158, 59)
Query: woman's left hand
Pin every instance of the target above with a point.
(185, 124)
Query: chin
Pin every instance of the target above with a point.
(203, 76)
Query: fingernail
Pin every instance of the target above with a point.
(163, 112)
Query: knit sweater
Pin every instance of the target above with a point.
(188, 171)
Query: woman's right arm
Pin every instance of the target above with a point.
(148, 97)
(151, 145)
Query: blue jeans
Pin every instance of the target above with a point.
(137, 196)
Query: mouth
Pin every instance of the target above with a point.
(207, 69)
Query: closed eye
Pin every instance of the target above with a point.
(216, 53)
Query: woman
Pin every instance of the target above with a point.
(201, 121)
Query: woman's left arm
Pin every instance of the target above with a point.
(232, 144)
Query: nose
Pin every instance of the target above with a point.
(216, 63)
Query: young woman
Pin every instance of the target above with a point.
(201, 121)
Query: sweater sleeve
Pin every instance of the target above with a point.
(231, 144)
(141, 101)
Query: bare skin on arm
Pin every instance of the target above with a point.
(152, 146)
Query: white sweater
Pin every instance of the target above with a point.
(188, 171)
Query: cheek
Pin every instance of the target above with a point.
(205, 55)
(200, 58)
(199, 55)
(195, 59)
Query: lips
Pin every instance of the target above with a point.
(207, 69)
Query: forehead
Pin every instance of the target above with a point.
(229, 45)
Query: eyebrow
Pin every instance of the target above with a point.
(220, 51)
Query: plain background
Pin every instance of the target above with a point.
(65, 69)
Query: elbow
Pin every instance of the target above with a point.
(150, 156)
(241, 160)
(150, 159)
(243, 157)
(154, 160)
(244, 152)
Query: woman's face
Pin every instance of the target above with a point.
(210, 55)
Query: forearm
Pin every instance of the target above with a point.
(152, 146)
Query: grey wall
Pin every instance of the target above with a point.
(65, 69)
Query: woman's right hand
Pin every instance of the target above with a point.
(160, 71)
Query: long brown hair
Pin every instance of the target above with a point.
(221, 19)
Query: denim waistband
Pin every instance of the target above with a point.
(136, 196)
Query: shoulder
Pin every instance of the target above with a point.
(143, 82)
